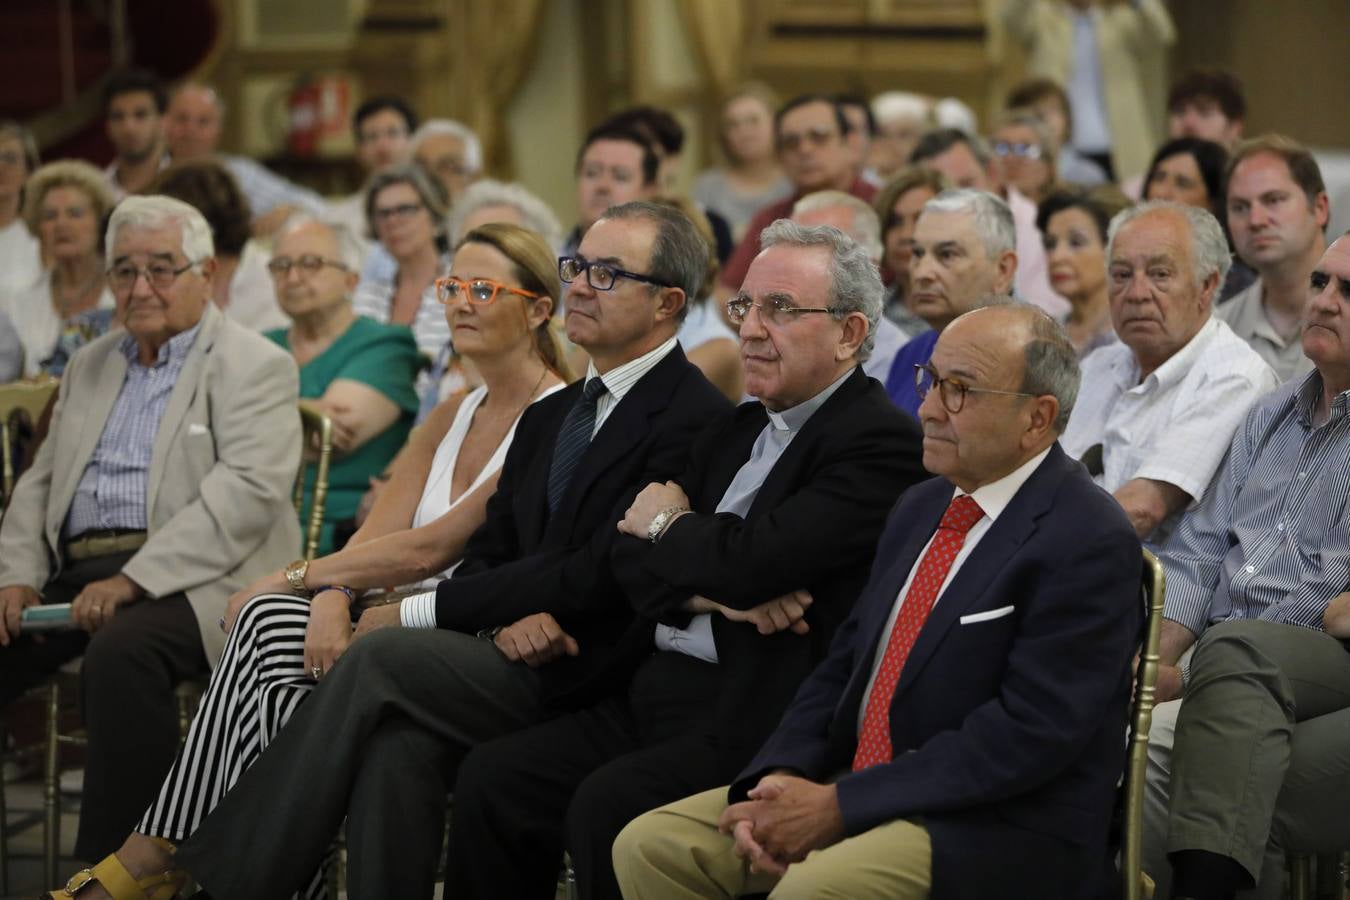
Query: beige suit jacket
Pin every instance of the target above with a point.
(218, 499)
(1126, 34)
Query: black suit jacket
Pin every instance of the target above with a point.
(522, 561)
(813, 524)
(1008, 731)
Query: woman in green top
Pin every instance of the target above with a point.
(357, 371)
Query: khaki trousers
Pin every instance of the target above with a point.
(676, 852)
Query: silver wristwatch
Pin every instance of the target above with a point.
(661, 520)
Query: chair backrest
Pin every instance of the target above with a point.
(21, 399)
(1141, 721)
(317, 447)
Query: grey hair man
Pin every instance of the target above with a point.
(1159, 407)
(163, 487)
(450, 151)
(859, 221)
(963, 254)
(732, 642)
(967, 162)
(488, 200)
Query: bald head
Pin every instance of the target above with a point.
(1011, 378)
(193, 121)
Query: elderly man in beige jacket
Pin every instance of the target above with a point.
(162, 487)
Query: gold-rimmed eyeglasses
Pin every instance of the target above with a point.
(775, 311)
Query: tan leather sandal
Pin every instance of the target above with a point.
(120, 884)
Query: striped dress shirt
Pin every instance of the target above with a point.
(1270, 539)
(266, 190)
(112, 490)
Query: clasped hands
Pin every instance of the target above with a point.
(784, 819)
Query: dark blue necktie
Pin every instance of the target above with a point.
(573, 439)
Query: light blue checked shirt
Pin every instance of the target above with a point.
(1271, 538)
(112, 490)
(266, 190)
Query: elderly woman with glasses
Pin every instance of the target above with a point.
(290, 627)
(65, 205)
(355, 370)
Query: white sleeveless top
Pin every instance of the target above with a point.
(436, 500)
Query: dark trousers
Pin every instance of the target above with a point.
(131, 667)
(375, 742)
(576, 781)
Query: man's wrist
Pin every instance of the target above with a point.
(418, 611)
(664, 519)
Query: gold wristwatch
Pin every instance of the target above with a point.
(295, 574)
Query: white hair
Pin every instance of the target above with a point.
(952, 113)
(143, 213)
(1209, 247)
(535, 213)
(901, 106)
(855, 283)
(993, 218)
(865, 228)
(350, 252)
(473, 148)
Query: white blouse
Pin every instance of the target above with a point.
(436, 494)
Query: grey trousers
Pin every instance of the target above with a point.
(378, 742)
(1261, 763)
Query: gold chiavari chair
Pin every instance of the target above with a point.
(317, 450)
(1141, 721)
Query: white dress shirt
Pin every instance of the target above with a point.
(993, 498)
(1174, 425)
(419, 610)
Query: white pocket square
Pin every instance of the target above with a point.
(195, 429)
(987, 615)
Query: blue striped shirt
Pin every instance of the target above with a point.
(112, 490)
(1270, 539)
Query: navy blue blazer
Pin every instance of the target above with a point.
(1009, 733)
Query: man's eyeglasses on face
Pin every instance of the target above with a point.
(402, 212)
(952, 393)
(11, 158)
(776, 311)
(480, 291)
(1011, 148)
(309, 263)
(159, 275)
(600, 276)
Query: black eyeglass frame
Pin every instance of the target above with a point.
(588, 266)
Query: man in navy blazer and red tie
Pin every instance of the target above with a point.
(964, 736)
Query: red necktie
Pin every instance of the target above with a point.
(874, 741)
